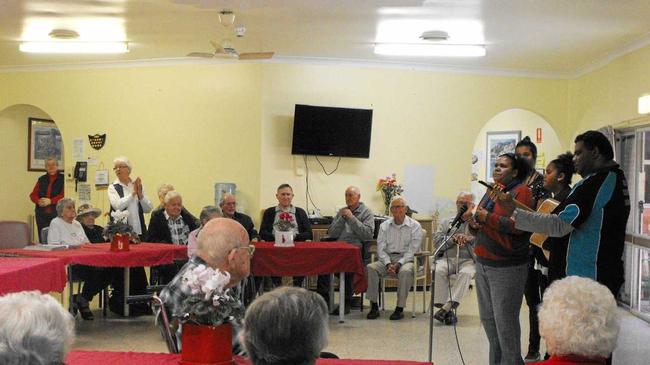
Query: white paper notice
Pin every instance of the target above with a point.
(84, 192)
(418, 188)
(78, 149)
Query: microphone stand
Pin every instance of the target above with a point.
(443, 245)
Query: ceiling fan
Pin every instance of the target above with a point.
(226, 49)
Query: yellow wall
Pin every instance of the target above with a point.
(17, 182)
(419, 118)
(194, 125)
(609, 95)
(190, 126)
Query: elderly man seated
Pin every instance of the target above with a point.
(287, 326)
(170, 225)
(223, 245)
(399, 238)
(354, 224)
(228, 205)
(34, 329)
(578, 322)
(457, 260)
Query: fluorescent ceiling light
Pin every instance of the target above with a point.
(74, 47)
(644, 104)
(461, 31)
(429, 50)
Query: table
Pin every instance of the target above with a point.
(83, 357)
(100, 255)
(22, 273)
(312, 258)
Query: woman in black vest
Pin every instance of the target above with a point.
(47, 192)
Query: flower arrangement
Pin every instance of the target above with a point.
(119, 225)
(389, 188)
(207, 301)
(285, 223)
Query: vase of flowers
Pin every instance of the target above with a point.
(285, 229)
(206, 314)
(389, 188)
(119, 232)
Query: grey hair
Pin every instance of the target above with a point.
(208, 211)
(355, 189)
(398, 197)
(286, 326)
(467, 193)
(172, 194)
(164, 189)
(52, 158)
(35, 329)
(62, 204)
(124, 160)
(578, 317)
(224, 197)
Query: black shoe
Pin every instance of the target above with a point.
(82, 305)
(532, 356)
(335, 312)
(397, 314)
(374, 311)
(450, 318)
(440, 315)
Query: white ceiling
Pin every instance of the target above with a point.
(545, 37)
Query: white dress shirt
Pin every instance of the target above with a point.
(402, 240)
(64, 233)
(130, 203)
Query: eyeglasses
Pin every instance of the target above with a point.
(120, 167)
(397, 206)
(249, 248)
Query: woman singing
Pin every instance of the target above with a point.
(502, 262)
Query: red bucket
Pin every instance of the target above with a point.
(207, 345)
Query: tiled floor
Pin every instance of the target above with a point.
(364, 339)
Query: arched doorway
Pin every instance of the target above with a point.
(526, 123)
(17, 178)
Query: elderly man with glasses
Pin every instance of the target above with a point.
(223, 244)
(399, 238)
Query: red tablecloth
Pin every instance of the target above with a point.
(309, 258)
(82, 357)
(22, 273)
(99, 254)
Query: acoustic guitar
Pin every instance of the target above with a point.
(546, 207)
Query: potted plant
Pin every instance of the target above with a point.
(119, 232)
(389, 188)
(285, 230)
(207, 312)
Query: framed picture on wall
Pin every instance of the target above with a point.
(497, 144)
(44, 141)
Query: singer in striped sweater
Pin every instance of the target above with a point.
(502, 262)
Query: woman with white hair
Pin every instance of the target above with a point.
(578, 322)
(64, 229)
(127, 194)
(287, 326)
(35, 329)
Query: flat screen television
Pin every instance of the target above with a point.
(328, 131)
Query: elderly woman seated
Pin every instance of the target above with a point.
(35, 329)
(287, 326)
(64, 229)
(207, 213)
(578, 321)
(170, 225)
(163, 189)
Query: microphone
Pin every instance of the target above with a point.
(459, 218)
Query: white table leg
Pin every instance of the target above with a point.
(127, 289)
(342, 298)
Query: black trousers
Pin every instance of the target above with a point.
(536, 284)
(43, 220)
(95, 279)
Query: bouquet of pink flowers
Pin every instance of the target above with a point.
(208, 302)
(285, 222)
(389, 188)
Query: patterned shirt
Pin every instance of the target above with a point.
(179, 230)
